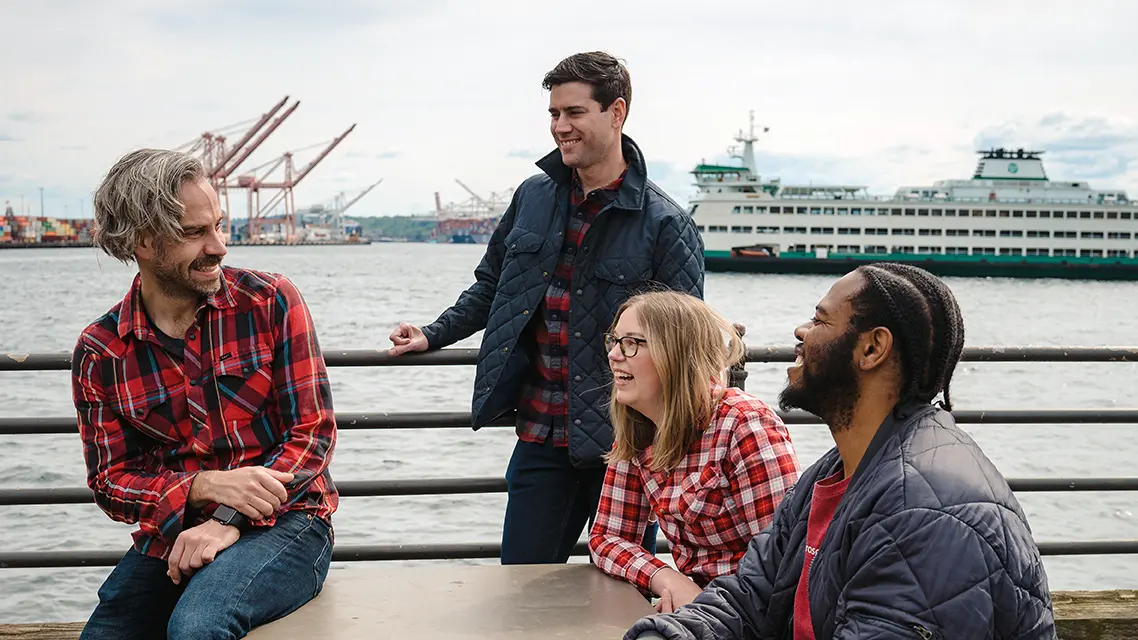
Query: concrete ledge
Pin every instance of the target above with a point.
(1082, 615)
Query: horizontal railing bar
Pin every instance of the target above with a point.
(385, 552)
(455, 486)
(61, 361)
(461, 420)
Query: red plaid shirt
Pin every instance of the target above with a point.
(152, 412)
(542, 406)
(722, 494)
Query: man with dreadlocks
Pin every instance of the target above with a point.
(903, 530)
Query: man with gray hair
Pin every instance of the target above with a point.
(206, 418)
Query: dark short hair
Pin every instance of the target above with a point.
(605, 74)
(927, 327)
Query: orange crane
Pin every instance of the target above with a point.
(254, 183)
(221, 160)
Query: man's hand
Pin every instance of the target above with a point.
(406, 338)
(675, 589)
(197, 547)
(257, 492)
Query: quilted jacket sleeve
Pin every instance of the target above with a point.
(470, 313)
(904, 585)
(731, 607)
(678, 257)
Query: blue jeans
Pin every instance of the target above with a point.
(265, 575)
(549, 502)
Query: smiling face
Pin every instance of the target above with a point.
(636, 383)
(583, 132)
(191, 266)
(824, 379)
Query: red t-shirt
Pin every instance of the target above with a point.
(827, 494)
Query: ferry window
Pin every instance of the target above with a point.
(737, 210)
(876, 249)
(815, 211)
(937, 213)
(829, 211)
(1017, 214)
(1031, 214)
(983, 251)
(1118, 253)
(1066, 252)
(923, 232)
(1098, 215)
(990, 214)
(1111, 215)
(1072, 214)
(777, 210)
(1011, 251)
(1090, 253)
(1096, 235)
(797, 247)
(1125, 215)
(849, 248)
(1039, 234)
(1119, 235)
(741, 229)
(903, 249)
(1044, 214)
(928, 249)
(922, 212)
(909, 212)
(1085, 215)
(895, 212)
(870, 212)
(748, 209)
(1037, 252)
(1004, 213)
(956, 251)
(760, 209)
(801, 209)
(950, 213)
(717, 228)
(699, 228)
(1014, 233)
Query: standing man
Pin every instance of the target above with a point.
(577, 240)
(206, 418)
(904, 529)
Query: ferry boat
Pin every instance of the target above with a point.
(1008, 220)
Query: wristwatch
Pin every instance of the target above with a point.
(230, 516)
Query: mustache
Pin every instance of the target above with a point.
(205, 263)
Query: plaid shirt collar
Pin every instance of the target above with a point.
(132, 318)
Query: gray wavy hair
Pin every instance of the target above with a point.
(139, 196)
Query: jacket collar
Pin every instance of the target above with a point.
(899, 418)
(132, 315)
(631, 193)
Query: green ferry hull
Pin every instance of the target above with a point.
(1070, 268)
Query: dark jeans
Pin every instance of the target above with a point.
(266, 575)
(549, 502)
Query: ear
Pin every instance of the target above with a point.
(619, 110)
(874, 349)
(147, 247)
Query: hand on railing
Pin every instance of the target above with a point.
(407, 337)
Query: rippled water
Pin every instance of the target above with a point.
(358, 294)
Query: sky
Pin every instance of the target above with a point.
(880, 93)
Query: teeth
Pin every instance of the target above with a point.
(798, 361)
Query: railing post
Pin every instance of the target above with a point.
(737, 375)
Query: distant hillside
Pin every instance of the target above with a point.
(412, 228)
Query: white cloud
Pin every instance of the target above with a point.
(882, 93)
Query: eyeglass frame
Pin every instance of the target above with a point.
(611, 339)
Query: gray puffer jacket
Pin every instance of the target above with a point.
(641, 240)
(927, 542)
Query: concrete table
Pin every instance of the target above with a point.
(448, 602)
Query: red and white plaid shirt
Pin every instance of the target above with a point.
(722, 494)
(245, 386)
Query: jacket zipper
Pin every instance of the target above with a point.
(920, 630)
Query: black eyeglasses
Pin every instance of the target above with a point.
(628, 345)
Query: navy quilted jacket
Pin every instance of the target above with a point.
(642, 239)
(928, 542)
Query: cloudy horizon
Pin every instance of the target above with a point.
(876, 93)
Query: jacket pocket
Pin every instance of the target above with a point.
(623, 271)
(244, 380)
(523, 254)
(894, 629)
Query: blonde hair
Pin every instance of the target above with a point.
(141, 195)
(692, 347)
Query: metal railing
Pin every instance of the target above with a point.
(460, 420)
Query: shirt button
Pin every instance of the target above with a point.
(545, 274)
(579, 292)
(577, 378)
(191, 335)
(193, 383)
(577, 421)
(525, 312)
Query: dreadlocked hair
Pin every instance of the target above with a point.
(925, 320)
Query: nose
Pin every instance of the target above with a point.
(800, 331)
(615, 354)
(561, 124)
(216, 244)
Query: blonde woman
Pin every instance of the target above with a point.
(711, 462)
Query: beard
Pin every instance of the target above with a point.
(828, 387)
(175, 280)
